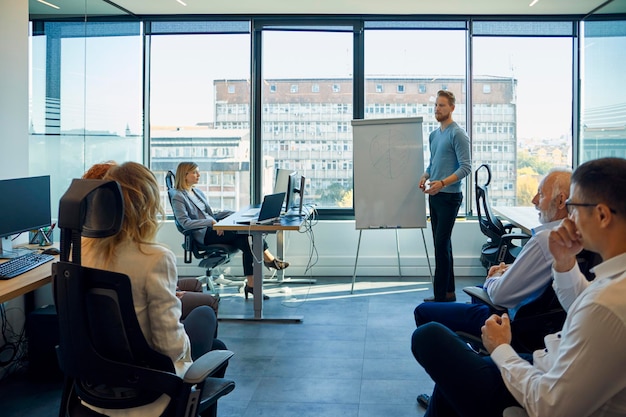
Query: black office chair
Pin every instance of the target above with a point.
(211, 256)
(535, 320)
(102, 352)
(531, 324)
(500, 246)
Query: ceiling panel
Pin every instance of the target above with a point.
(325, 7)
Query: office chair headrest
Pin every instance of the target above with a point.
(93, 208)
(486, 166)
(169, 179)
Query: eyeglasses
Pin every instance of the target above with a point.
(569, 205)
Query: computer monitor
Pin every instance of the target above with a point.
(294, 186)
(301, 192)
(283, 184)
(24, 206)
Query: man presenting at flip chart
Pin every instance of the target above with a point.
(449, 163)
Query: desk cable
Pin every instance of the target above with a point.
(313, 257)
(13, 351)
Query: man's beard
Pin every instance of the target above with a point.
(549, 215)
(442, 118)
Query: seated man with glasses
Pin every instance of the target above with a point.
(581, 370)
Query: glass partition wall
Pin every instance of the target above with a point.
(85, 98)
(246, 96)
(603, 92)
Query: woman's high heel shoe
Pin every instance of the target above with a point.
(276, 263)
(250, 290)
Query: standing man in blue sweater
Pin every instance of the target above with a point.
(449, 163)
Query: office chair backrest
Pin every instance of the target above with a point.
(170, 180)
(545, 315)
(102, 349)
(490, 225)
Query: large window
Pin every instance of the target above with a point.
(200, 106)
(245, 97)
(306, 117)
(405, 68)
(521, 111)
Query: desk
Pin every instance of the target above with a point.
(257, 232)
(526, 218)
(26, 283)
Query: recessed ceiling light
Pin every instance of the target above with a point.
(181, 2)
(54, 6)
(533, 3)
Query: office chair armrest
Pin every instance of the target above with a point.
(514, 412)
(512, 236)
(481, 295)
(205, 365)
(188, 243)
(189, 232)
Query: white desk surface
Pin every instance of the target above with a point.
(526, 218)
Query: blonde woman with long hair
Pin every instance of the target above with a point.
(192, 210)
(151, 268)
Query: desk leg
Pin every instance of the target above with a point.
(257, 247)
(280, 254)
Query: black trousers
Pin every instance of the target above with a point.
(466, 384)
(240, 241)
(444, 208)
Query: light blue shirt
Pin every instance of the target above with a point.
(528, 276)
(449, 154)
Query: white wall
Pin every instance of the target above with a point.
(13, 88)
(336, 243)
(13, 111)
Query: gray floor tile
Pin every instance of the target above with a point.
(286, 409)
(391, 391)
(308, 390)
(391, 410)
(350, 356)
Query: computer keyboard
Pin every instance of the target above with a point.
(17, 266)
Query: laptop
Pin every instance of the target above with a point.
(269, 211)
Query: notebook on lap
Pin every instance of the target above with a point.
(269, 211)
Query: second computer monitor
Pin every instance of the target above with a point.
(285, 183)
(301, 191)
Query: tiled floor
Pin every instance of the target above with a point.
(349, 357)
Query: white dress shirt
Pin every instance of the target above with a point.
(582, 371)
